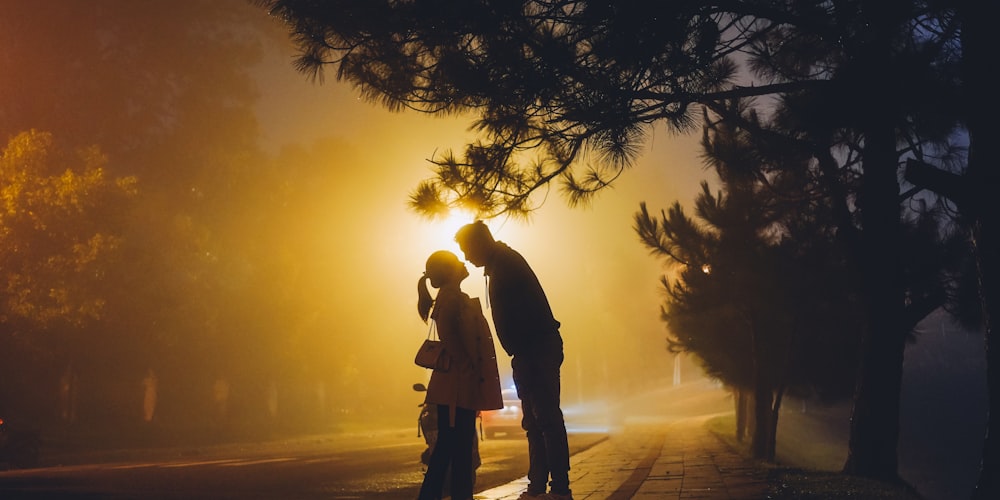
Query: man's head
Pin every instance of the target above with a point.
(476, 242)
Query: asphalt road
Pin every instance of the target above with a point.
(378, 465)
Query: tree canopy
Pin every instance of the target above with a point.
(568, 91)
(560, 91)
(58, 230)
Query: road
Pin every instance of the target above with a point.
(377, 465)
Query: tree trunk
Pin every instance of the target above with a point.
(740, 403)
(767, 405)
(875, 419)
(150, 393)
(983, 179)
(874, 438)
(772, 444)
(987, 255)
(69, 395)
(759, 443)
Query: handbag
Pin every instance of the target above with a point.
(431, 353)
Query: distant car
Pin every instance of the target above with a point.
(506, 420)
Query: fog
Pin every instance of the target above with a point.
(601, 283)
(267, 264)
(229, 252)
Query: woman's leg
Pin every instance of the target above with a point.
(461, 463)
(437, 467)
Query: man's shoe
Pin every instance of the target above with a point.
(555, 496)
(528, 495)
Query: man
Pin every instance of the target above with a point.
(530, 335)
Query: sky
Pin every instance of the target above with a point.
(602, 284)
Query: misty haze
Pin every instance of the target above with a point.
(209, 251)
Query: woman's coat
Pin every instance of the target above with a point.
(473, 380)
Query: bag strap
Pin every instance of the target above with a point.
(432, 331)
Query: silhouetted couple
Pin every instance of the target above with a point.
(527, 331)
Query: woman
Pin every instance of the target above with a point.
(470, 384)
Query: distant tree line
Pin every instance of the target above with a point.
(159, 272)
(819, 118)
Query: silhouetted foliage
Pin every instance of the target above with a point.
(749, 298)
(560, 91)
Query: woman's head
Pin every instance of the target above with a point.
(442, 269)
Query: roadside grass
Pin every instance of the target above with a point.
(806, 473)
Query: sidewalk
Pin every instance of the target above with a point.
(656, 460)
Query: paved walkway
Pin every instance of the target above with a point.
(656, 460)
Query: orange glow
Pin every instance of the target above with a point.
(312, 281)
(441, 232)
